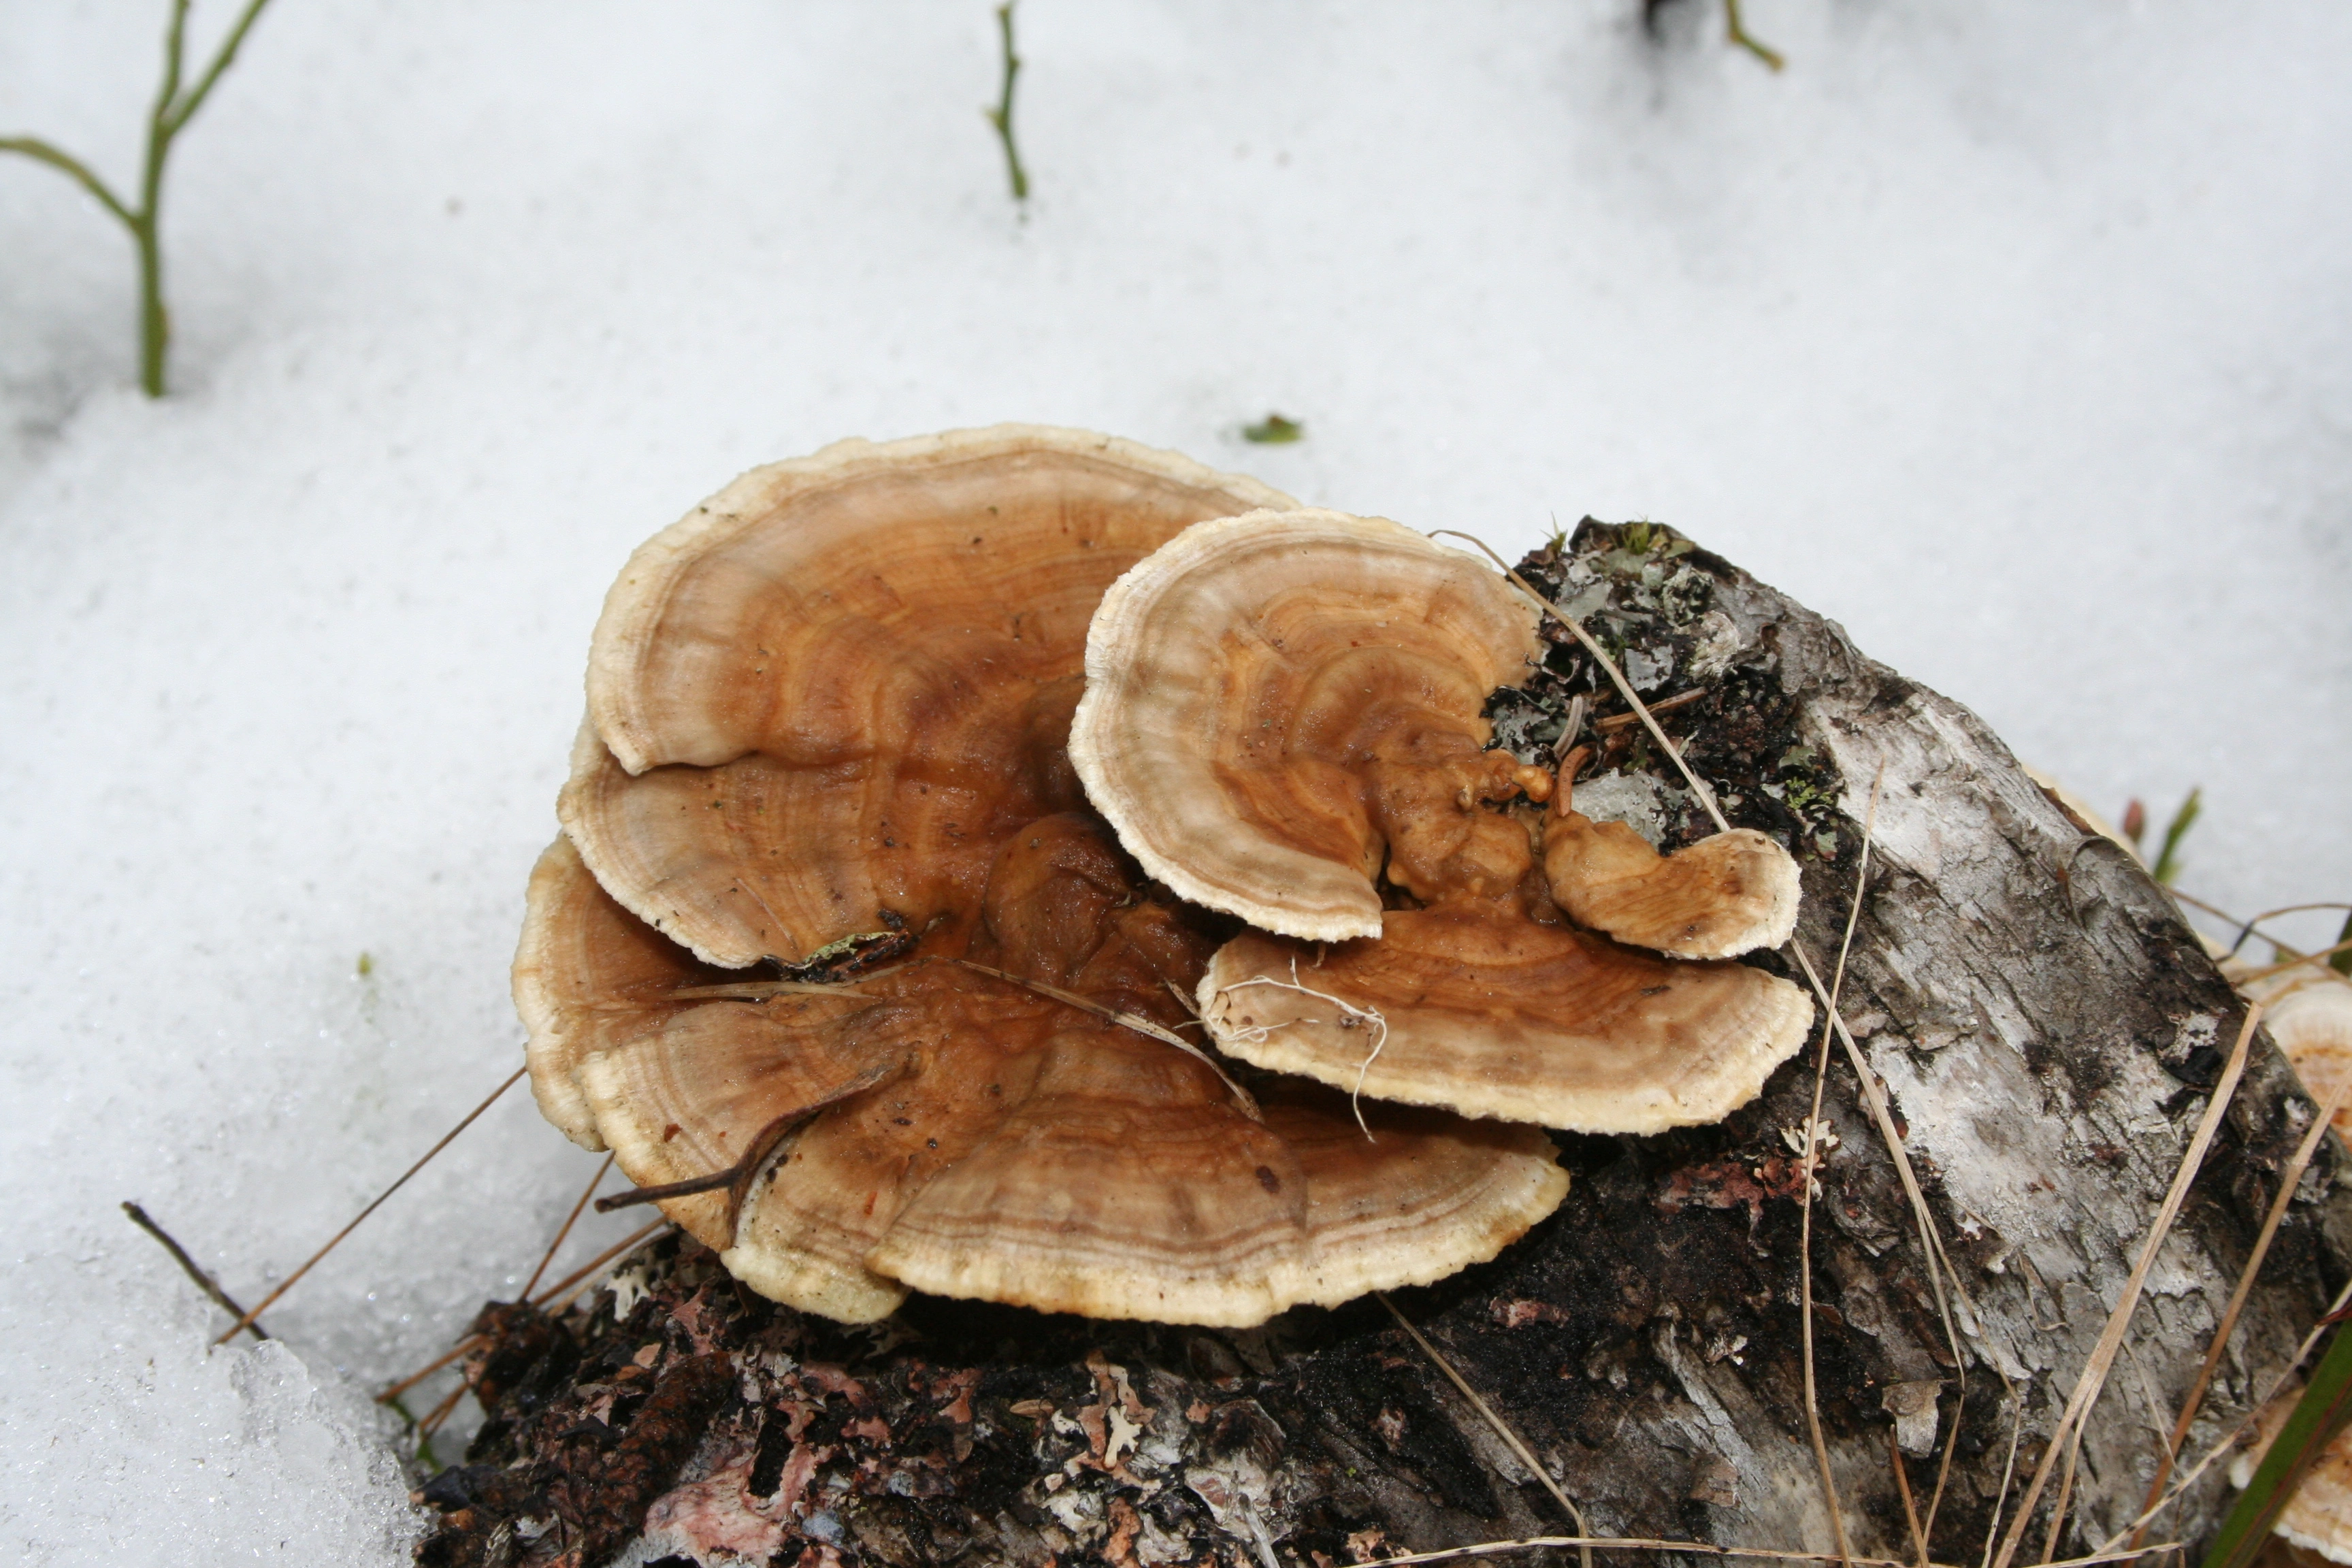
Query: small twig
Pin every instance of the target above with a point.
(738, 1177)
(1502, 1427)
(1002, 115)
(2317, 960)
(2254, 928)
(569, 1220)
(593, 1264)
(1136, 1021)
(337, 1239)
(755, 991)
(2103, 1354)
(205, 1282)
(2289, 1177)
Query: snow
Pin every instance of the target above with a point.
(2010, 335)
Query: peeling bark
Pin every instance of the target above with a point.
(2045, 1028)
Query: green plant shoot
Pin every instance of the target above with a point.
(1738, 33)
(2167, 858)
(1273, 430)
(1002, 115)
(175, 105)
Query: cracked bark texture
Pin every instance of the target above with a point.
(2045, 1028)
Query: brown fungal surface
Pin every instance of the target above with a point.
(818, 701)
(927, 1124)
(1728, 894)
(1283, 720)
(1474, 1006)
(1281, 706)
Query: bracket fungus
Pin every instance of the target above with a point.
(835, 959)
(1283, 720)
(1279, 704)
(1730, 893)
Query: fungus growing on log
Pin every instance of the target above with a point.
(1483, 1011)
(1728, 894)
(825, 731)
(1279, 705)
(1282, 715)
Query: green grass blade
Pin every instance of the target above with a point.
(2319, 1414)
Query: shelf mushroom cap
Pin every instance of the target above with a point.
(824, 693)
(1478, 1008)
(1730, 893)
(1278, 703)
(827, 717)
(932, 1128)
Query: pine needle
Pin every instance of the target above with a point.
(569, 1220)
(245, 1320)
(1502, 1429)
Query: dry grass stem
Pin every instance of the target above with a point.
(2316, 960)
(1812, 1165)
(2103, 1354)
(1503, 1429)
(470, 1341)
(1903, 1487)
(2254, 928)
(737, 1178)
(1679, 700)
(205, 1281)
(1709, 1549)
(1141, 1025)
(569, 1220)
(245, 1319)
(2230, 1440)
(2290, 1175)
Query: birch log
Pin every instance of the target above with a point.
(2045, 1029)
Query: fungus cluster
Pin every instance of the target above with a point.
(1022, 866)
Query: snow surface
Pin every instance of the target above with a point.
(2012, 335)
